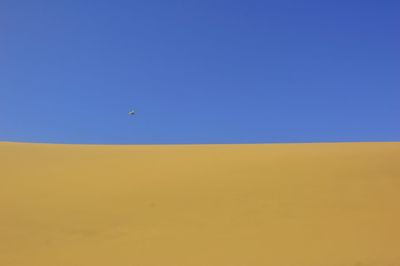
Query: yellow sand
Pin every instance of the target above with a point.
(203, 205)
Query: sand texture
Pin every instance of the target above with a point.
(200, 205)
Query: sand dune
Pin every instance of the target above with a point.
(204, 205)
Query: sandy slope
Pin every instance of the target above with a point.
(225, 205)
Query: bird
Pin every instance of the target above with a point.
(132, 112)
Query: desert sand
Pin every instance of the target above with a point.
(332, 204)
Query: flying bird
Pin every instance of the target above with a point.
(132, 112)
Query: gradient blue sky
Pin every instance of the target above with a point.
(209, 71)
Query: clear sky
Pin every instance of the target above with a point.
(206, 71)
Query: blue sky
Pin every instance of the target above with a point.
(210, 71)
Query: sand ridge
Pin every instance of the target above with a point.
(280, 204)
